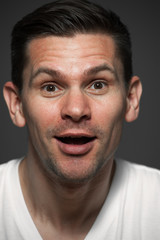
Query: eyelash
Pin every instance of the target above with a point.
(100, 82)
(56, 90)
(50, 85)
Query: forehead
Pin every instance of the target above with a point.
(72, 53)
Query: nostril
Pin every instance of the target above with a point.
(76, 111)
(76, 118)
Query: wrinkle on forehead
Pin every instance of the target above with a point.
(72, 53)
(78, 44)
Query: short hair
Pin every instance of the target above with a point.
(65, 18)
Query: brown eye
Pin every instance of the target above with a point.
(98, 85)
(50, 88)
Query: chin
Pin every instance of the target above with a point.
(73, 171)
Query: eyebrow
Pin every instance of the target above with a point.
(58, 74)
(48, 71)
(102, 67)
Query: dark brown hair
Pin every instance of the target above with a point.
(67, 18)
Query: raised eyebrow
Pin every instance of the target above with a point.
(51, 72)
(57, 74)
(96, 69)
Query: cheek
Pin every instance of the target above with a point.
(110, 119)
(41, 114)
(110, 112)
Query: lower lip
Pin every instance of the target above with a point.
(71, 149)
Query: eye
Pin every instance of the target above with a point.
(50, 88)
(98, 85)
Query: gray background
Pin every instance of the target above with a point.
(140, 141)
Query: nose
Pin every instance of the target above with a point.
(76, 106)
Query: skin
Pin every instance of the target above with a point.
(73, 86)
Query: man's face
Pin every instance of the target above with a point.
(74, 102)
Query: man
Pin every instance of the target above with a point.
(72, 85)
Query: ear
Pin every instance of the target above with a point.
(133, 99)
(14, 104)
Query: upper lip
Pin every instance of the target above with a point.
(75, 135)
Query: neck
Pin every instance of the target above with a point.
(76, 204)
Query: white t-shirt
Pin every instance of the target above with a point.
(130, 212)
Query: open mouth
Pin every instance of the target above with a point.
(75, 140)
(75, 144)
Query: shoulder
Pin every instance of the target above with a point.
(140, 181)
(9, 168)
(134, 169)
(9, 164)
